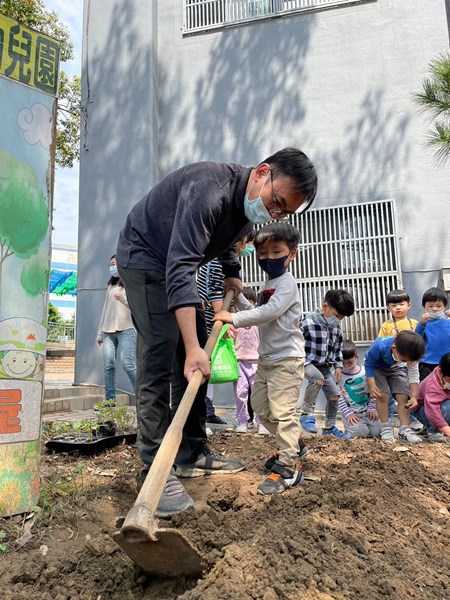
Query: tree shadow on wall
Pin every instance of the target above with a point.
(246, 100)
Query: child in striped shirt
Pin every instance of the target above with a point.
(358, 411)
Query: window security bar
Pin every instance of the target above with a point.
(200, 15)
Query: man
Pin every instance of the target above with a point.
(195, 214)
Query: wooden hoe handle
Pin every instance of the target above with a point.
(139, 523)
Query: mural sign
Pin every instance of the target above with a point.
(29, 65)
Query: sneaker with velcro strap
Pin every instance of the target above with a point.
(281, 479)
(406, 434)
(437, 437)
(308, 422)
(303, 451)
(387, 434)
(208, 463)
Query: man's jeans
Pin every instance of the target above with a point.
(122, 343)
(445, 410)
(160, 361)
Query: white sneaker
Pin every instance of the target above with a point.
(436, 436)
(242, 428)
(209, 432)
(262, 430)
(406, 434)
(387, 435)
(416, 426)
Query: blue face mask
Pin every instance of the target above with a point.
(274, 267)
(248, 250)
(113, 270)
(437, 316)
(255, 211)
(332, 321)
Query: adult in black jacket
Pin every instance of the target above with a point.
(193, 215)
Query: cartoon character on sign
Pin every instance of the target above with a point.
(19, 364)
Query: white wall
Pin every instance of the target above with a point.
(336, 83)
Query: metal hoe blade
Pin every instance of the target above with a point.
(171, 554)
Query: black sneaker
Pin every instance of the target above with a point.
(174, 498)
(301, 453)
(281, 479)
(216, 422)
(208, 463)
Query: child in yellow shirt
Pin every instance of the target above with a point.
(398, 304)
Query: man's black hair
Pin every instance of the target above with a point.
(409, 344)
(341, 301)
(279, 231)
(434, 294)
(294, 163)
(250, 294)
(444, 364)
(397, 296)
(349, 349)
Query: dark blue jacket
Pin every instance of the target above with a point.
(193, 215)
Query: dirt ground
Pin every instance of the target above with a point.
(373, 524)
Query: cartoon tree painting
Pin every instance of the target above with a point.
(24, 213)
(34, 279)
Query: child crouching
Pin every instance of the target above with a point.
(358, 411)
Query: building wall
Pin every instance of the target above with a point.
(337, 83)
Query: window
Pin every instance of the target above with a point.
(200, 15)
(354, 247)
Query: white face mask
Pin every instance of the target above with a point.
(437, 316)
(447, 385)
(397, 360)
(255, 211)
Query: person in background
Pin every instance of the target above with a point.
(398, 304)
(359, 412)
(210, 289)
(246, 341)
(116, 335)
(386, 376)
(434, 327)
(433, 408)
(323, 346)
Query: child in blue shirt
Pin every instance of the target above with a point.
(434, 327)
(384, 362)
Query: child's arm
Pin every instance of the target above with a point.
(432, 405)
(413, 379)
(347, 411)
(285, 295)
(224, 316)
(370, 361)
(420, 329)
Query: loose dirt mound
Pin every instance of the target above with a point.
(374, 525)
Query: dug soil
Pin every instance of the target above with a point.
(371, 523)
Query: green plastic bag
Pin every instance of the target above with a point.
(224, 365)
